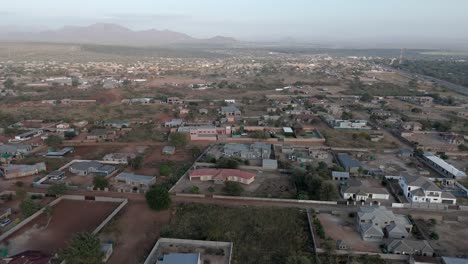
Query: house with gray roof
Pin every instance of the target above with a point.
(363, 193)
(83, 168)
(442, 167)
(174, 123)
(418, 189)
(11, 171)
(340, 175)
(349, 164)
(15, 149)
(256, 150)
(230, 110)
(134, 182)
(374, 223)
(409, 247)
(117, 123)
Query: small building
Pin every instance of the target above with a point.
(174, 100)
(117, 123)
(269, 164)
(230, 111)
(341, 245)
(442, 167)
(362, 193)
(11, 171)
(107, 249)
(28, 135)
(340, 175)
(120, 158)
(56, 174)
(134, 181)
(169, 150)
(219, 176)
(409, 247)
(452, 260)
(101, 134)
(203, 111)
(174, 123)
(83, 168)
(405, 153)
(349, 164)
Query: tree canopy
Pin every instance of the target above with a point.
(158, 198)
(178, 139)
(28, 207)
(84, 248)
(100, 182)
(233, 188)
(53, 141)
(57, 189)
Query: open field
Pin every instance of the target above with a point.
(68, 217)
(260, 236)
(134, 231)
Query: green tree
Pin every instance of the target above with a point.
(28, 207)
(195, 152)
(178, 139)
(158, 198)
(57, 189)
(136, 162)
(9, 83)
(100, 182)
(298, 260)
(165, 170)
(328, 191)
(194, 189)
(84, 248)
(233, 188)
(366, 97)
(53, 141)
(227, 163)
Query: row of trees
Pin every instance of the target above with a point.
(314, 183)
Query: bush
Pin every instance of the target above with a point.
(28, 207)
(195, 190)
(319, 228)
(227, 163)
(165, 170)
(158, 198)
(211, 189)
(83, 248)
(434, 236)
(100, 182)
(178, 139)
(19, 183)
(57, 189)
(233, 188)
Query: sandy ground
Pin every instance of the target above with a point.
(134, 231)
(452, 238)
(343, 228)
(68, 218)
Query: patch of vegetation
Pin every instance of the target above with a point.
(233, 188)
(28, 207)
(158, 198)
(83, 248)
(314, 183)
(254, 231)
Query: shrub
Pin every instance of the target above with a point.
(434, 236)
(158, 198)
(195, 190)
(19, 183)
(233, 188)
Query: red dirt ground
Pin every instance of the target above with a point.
(134, 232)
(68, 218)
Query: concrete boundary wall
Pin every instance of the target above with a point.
(109, 218)
(28, 220)
(190, 195)
(69, 197)
(274, 200)
(152, 258)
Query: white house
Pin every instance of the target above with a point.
(419, 189)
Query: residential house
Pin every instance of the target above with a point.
(28, 135)
(15, 150)
(453, 260)
(219, 176)
(174, 123)
(230, 111)
(349, 164)
(340, 175)
(442, 167)
(418, 189)
(269, 164)
(256, 150)
(381, 113)
(83, 168)
(119, 158)
(362, 193)
(374, 223)
(134, 182)
(100, 134)
(412, 126)
(405, 153)
(203, 111)
(409, 247)
(205, 133)
(174, 100)
(11, 171)
(117, 123)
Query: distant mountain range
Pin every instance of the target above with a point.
(104, 33)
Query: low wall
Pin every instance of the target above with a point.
(242, 140)
(273, 200)
(304, 140)
(116, 211)
(190, 195)
(27, 220)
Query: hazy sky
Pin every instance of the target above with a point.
(357, 21)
